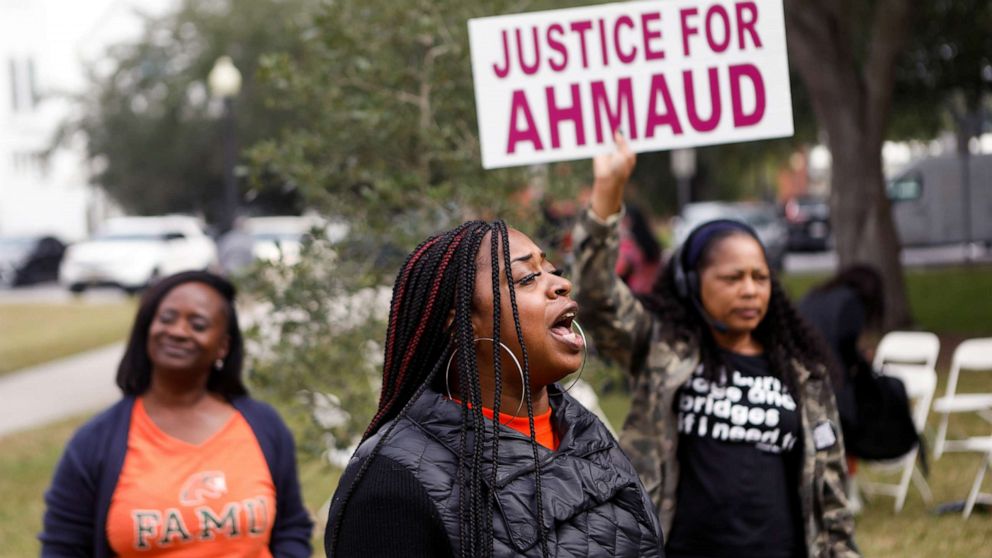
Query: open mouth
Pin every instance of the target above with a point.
(561, 329)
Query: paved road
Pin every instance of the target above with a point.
(53, 293)
(930, 256)
(63, 388)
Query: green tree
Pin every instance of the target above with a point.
(313, 344)
(389, 144)
(881, 69)
(152, 131)
(390, 140)
(947, 66)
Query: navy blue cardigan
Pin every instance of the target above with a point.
(79, 498)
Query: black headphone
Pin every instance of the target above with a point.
(687, 279)
(686, 284)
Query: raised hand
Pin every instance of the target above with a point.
(610, 173)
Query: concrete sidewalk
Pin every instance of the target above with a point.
(59, 389)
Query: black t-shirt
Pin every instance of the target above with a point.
(739, 455)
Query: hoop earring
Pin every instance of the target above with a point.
(585, 355)
(447, 369)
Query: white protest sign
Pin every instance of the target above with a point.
(551, 86)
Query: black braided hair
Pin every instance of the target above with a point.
(438, 278)
(497, 375)
(784, 335)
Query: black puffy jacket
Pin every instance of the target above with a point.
(594, 504)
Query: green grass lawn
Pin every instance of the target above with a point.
(27, 460)
(35, 333)
(953, 300)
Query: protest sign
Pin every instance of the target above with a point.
(551, 86)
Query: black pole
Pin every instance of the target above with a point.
(964, 153)
(230, 194)
(684, 191)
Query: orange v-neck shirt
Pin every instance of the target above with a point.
(216, 498)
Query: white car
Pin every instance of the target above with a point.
(272, 239)
(133, 252)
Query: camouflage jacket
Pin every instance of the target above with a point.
(629, 334)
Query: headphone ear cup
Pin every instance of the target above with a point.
(692, 283)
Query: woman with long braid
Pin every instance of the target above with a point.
(733, 425)
(474, 450)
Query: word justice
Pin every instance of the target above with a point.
(624, 40)
(661, 113)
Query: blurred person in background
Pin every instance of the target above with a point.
(186, 462)
(841, 309)
(639, 253)
(733, 426)
(475, 450)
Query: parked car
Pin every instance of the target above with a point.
(282, 237)
(29, 259)
(763, 217)
(132, 252)
(808, 219)
(272, 238)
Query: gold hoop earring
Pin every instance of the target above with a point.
(447, 369)
(585, 355)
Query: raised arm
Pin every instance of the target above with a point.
(616, 320)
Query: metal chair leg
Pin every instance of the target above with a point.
(977, 486)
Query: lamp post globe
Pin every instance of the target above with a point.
(224, 79)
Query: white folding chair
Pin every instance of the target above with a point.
(982, 445)
(907, 347)
(921, 383)
(971, 354)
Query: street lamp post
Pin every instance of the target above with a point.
(225, 83)
(683, 168)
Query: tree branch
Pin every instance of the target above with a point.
(369, 87)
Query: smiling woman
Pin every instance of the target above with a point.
(186, 461)
(480, 324)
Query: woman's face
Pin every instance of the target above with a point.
(735, 283)
(544, 307)
(189, 330)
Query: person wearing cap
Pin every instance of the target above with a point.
(733, 425)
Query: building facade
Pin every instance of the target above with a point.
(45, 49)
